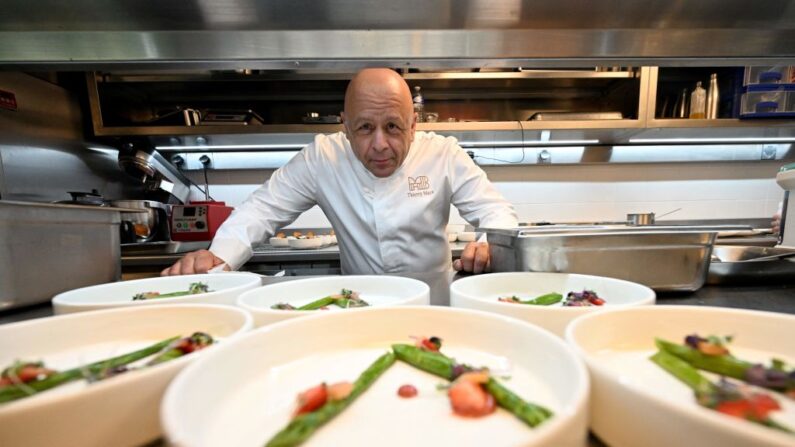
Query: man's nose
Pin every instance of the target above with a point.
(380, 141)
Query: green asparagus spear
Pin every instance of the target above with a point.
(545, 300)
(317, 304)
(15, 392)
(683, 371)
(725, 365)
(303, 426)
(195, 288)
(529, 413)
(708, 394)
(435, 363)
(439, 364)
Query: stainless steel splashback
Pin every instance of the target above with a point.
(331, 33)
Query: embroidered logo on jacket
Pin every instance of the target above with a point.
(419, 186)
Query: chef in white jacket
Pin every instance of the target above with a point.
(386, 189)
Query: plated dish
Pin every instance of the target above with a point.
(257, 398)
(549, 300)
(93, 405)
(290, 299)
(303, 241)
(213, 288)
(657, 381)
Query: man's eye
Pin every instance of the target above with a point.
(392, 126)
(365, 127)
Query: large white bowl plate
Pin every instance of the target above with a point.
(378, 291)
(481, 293)
(118, 411)
(635, 402)
(244, 392)
(224, 289)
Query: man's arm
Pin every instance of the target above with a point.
(289, 192)
(480, 204)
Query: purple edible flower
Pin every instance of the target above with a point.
(693, 340)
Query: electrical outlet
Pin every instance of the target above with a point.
(769, 152)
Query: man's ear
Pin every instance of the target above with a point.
(413, 125)
(344, 124)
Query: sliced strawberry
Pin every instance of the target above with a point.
(312, 399)
(469, 399)
(25, 374)
(762, 405)
(735, 408)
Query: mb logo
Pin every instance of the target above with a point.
(418, 184)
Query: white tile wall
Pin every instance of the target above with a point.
(587, 193)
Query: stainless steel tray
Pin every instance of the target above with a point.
(735, 265)
(663, 258)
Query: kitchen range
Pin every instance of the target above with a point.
(645, 298)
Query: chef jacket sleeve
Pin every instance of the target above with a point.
(289, 192)
(476, 198)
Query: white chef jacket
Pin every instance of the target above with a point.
(383, 225)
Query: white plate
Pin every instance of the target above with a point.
(635, 402)
(279, 242)
(481, 293)
(243, 393)
(376, 290)
(466, 236)
(118, 411)
(225, 288)
(305, 244)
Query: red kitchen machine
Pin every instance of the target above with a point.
(197, 221)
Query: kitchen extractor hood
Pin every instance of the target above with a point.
(290, 34)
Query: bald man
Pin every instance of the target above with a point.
(385, 187)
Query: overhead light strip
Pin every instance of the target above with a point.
(713, 140)
(525, 143)
(232, 146)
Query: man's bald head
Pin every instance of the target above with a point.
(379, 119)
(373, 84)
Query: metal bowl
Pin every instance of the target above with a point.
(735, 264)
(147, 223)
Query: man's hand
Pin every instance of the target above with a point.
(776, 223)
(195, 262)
(474, 258)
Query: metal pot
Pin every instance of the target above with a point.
(151, 223)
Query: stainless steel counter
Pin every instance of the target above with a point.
(262, 254)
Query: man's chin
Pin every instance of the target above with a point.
(381, 171)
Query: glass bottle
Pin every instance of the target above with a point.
(712, 97)
(698, 102)
(419, 104)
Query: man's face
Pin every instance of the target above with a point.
(380, 131)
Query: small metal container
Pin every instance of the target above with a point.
(46, 249)
(640, 219)
(667, 259)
